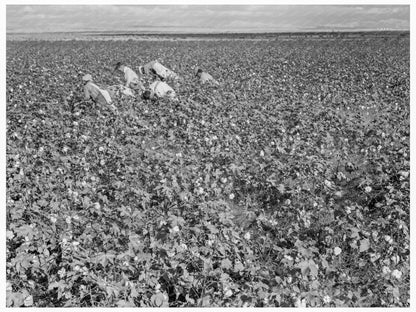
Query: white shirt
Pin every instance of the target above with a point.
(91, 90)
(160, 70)
(130, 76)
(162, 89)
(205, 77)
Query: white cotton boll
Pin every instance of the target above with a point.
(175, 228)
(397, 274)
(228, 292)
(300, 303)
(327, 299)
(395, 259)
(386, 270)
(287, 257)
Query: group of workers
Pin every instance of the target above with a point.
(134, 85)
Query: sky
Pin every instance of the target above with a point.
(206, 18)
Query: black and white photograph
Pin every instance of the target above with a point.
(207, 155)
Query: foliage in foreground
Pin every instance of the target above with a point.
(287, 186)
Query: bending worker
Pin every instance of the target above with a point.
(205, 77)
(94, 92)
(132, 79)
(159, 89)
(157, 69)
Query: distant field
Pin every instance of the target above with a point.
(123, 36)
(286, 186)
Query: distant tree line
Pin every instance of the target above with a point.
(328, 34)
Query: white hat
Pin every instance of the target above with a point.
(87, 77)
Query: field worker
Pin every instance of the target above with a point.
(155, 68)
(205, 77)
(159, 89)
(132, 80)
(94, 92)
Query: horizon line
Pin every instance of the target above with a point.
(319, 30)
